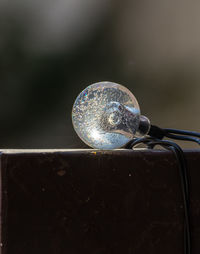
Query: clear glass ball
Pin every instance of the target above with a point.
(106, 115)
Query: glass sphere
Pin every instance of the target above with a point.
(106, 115)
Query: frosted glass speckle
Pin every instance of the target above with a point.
(106, 115)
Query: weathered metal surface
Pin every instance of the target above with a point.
(96, 202)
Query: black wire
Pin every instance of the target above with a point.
(160, 133)
(154, 138)
(185, 187)
(151, 142)
(186, 138)
(183, 132)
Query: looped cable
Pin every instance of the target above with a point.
(151, 142)
(155, 138)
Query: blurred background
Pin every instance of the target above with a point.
(51, 50)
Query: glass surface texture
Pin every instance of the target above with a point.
(106, 115)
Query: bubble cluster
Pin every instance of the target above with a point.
(106, 115)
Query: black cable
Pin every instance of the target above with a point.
(151, 142)
(183, 132)
(154, 138)
(157, 132)
(160, 133)
(186, 138)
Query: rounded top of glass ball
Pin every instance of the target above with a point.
(106, 115)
